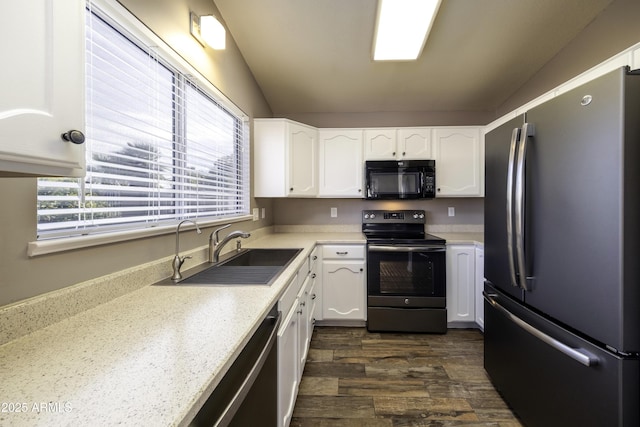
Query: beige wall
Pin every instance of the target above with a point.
(613, 31)
(23, 277)
(468, 211)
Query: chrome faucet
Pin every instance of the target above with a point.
(177, 261)
(215, 245)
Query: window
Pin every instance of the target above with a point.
(161, 145)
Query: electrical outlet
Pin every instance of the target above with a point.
(256, 214)
(334, 212)
(452, 211)
(264, 213)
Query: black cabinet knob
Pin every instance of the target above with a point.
(74, 136)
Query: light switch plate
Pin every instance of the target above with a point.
(334, 212)
(452, 211)
(256, 214)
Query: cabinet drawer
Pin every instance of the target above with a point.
(343, 252)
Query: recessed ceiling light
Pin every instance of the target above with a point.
(402, 27)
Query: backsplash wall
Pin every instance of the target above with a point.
(468, 211)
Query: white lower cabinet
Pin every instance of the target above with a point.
(461, 283)
(344, 290)
(297, 305)
(304, 327)
(288, 366)
(479, 287)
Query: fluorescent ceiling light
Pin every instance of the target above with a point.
(402, 28)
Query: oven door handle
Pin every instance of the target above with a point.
(377, 248)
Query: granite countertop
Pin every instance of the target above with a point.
(462, 237)
(148, 358)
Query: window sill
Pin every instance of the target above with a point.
(44, 247)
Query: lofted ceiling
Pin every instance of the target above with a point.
(314, 56)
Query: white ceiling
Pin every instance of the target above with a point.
(314, 56)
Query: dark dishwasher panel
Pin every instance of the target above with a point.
(536, 375)
(248, 393)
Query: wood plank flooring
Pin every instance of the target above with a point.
(354, 378)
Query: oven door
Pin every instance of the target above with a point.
(402, 275)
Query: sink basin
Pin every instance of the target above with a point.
(248, 267)
(262, 257)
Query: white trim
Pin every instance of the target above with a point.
(43, 247)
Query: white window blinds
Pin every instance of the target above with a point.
(160, 146)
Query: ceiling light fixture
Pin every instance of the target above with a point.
(208, 30)
(402, 27)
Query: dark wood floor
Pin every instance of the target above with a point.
(354, 378)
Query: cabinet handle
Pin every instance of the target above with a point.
(291, 189)
(315, 257)
(393, 154)
(438, 190)
(74, 136)
(342, 253)
(362, 269)
(313, 276)
(359, 190)
(313, 296)
(303, 303)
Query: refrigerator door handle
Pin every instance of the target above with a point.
(525, 134)
(515, 135)
(575, 354)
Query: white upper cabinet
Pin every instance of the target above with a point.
(285, 159)
(341, 166)
(415, 143)
(380, 144)
(42, 87)
(397, 144)
(459, 156)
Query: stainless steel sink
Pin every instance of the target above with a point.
(247, 267)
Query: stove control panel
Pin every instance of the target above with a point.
(393, 217)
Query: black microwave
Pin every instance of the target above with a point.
(403, 179)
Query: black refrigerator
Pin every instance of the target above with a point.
(562, 257)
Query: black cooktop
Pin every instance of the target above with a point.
(397, 227)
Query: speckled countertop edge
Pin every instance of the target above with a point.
(148, 357)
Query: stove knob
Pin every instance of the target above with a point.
(372, 216)
(415, 215)
(406, 300)
(421, 215)
(366, 216)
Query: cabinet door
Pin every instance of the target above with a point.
(459, 163)
(479, 287)
(341, 166)
(380, 144)
(42, 87)
(303, 160)
(287, 366)
(415, 143)
(304, 308)
(461, 283)
(344, 290)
